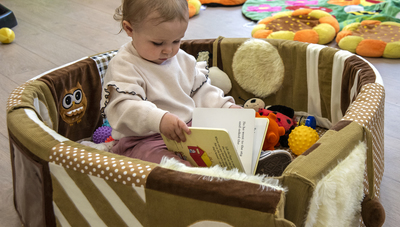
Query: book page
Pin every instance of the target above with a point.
(238, 122)
(206, 147)
(260, 131)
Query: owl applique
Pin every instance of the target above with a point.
(73, 105)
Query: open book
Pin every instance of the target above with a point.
(231, 138)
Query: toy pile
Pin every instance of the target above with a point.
(285, 130)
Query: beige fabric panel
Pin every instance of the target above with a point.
(295, 73)
(235, 193)
(37, 96)
(31, 132)
(89, 178)
(165, 207)
(306, 170)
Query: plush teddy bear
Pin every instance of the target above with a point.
(254, 103)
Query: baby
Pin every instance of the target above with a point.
(151, 85)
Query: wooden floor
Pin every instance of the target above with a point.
(51, 33)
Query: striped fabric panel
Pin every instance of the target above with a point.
(65, 206)
(337, 73)
(133, 198)
(61, 220)
(314, 101)
(115, 201)
(80, 198)
(73, 192)
(96, 186)
(324, 80)
(328, 75)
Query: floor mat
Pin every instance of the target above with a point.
(345, 11)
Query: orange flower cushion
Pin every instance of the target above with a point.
(371, 38)
(305, 25)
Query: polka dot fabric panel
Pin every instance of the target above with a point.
(368, 111)
(116, 169)
(15, 97)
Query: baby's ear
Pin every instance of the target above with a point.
(127, 27)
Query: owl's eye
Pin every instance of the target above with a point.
(78, 96)
(67, 101)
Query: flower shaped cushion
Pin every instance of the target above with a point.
(371, 38)
(305, 25)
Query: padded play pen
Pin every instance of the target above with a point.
(60, 182)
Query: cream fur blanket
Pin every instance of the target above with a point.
(337, 198)
(219, 173)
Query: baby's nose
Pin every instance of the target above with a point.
(167, 50)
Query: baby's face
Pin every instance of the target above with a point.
(157, 42)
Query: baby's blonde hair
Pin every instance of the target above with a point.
(136, 11)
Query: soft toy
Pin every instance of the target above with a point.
(283, 110)
(254, 103)
(284, 118)
(304, 25)
(194, 7)
(301, 138)
(220, 79)
(274, 132)
(371, 38)
(102, 134)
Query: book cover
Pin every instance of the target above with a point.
(206, 147)
(247, 132)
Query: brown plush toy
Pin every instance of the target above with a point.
(372, 212)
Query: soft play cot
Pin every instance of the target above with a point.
(60, 182)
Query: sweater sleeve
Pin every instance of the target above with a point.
(206, 95)
(129, 115)
(125, 103)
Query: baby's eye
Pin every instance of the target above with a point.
(156, 44)
(177, 41)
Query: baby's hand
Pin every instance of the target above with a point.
(234, 106)
(172, 127)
